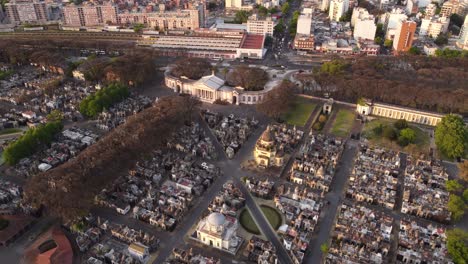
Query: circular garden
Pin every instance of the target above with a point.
(270, 213)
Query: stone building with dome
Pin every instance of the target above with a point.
(266, 153)
(219, 231)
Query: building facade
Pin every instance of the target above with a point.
(89, 15)
(304, 42)
(404, 36)
(337, 9)
(463, 37)
(211, 88)
(22, 11)
(434, 26)
(364, 27)
(265, 153)
(257, 25)
(395, 112)
(304, 24)
(218, 231)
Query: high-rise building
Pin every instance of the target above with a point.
(337, 9)
(31, 11)
(430, 10)
(89, 15)
(446, 10)
(325, 4)
(263, 26)
(304, 24)
(392, 20)
(463, 39)
(364, 25)
(404, 36)
(434, 26)
(233, 4)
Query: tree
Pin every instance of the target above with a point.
(463, 170)
(55, 116)
(441, 40)
(273, 10)
(378, 40)
(285, 8)
(465, 195)
(414, 51)
(347, 16)
(388, 43)
(400, 124)
(451, 136)
(324, 248)
(279, 28)
(389, 133)
(192, 68)
(263, 11)
(138, 28)
(457, 20)
(379, 31)
(407, 136)
(453, 186)
(457, 245)
(456, 206)
(278, 100)
(241, 16)
(249, 78)
(334, 67)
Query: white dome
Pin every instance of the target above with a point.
(216, 219)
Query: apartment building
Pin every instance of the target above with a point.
(404, 36)
(337, 9)
(463, 39)
(31, 11)
(434, 26)
(258, 25)
(364, 25)
(89, 15)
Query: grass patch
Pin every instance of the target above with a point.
(299, 112)
(247, 222)
(421, 144)
(343, 123)
(7, 131)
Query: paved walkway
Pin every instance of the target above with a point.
(334, 197)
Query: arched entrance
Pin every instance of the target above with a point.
(178, 88)
(234, 99)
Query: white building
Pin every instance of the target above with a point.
(337, 9)
(234, 4)
(139, 251)
(262, 26)
(364, 25)
(392, 20)
(325, 4)
(304, 24)
(430, 10)
(396, 112)
(434, 26)
(218, 231)
(463, 37)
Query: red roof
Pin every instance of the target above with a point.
(61, 254)
(252, 41)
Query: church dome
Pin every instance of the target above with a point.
(216, 219)
(266, 136)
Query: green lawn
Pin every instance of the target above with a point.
(343, 123)
(9, 131)
(247, 222)
(299, 112)
(422, 137)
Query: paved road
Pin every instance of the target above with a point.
(335, 196)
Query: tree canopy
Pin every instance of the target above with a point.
(31, 141)
(463, 170)
(68, 190)
(457, 245)
(278, 101)
(241, 16)
(192, 68)
(95, 103)
(451, 136)
(250, 78)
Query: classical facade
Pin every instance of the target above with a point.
(211, 88)
(219, 231)
(396, 112)
(266, 153)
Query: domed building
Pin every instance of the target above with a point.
(219, 231)
(266, 153)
